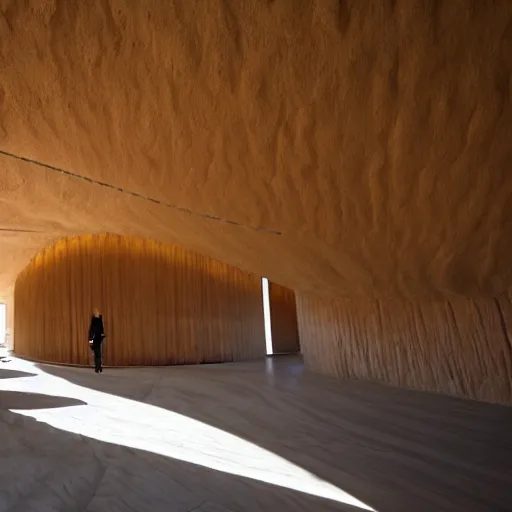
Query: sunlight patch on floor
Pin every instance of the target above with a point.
(117, 420)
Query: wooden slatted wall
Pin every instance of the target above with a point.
(161, 304)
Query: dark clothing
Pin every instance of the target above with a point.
(96, 331)
(97, 358)
(96, 335)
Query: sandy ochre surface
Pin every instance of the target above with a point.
(367, 143)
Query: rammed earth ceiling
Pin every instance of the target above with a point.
(351, 148)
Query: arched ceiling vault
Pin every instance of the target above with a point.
(341, 147)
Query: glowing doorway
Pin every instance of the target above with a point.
(3, 327)
(266, 316)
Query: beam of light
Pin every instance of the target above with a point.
(266, 316)
(121, 421)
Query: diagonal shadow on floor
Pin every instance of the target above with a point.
(393, 449)
(47, 468)
(14, 374)
(21, 401)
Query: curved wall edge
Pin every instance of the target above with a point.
(162, 304)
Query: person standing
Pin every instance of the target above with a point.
(96, 335)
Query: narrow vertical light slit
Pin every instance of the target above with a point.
(266, 316)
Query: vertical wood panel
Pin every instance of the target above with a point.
(459, 347)
(283, 319)
(161, 304)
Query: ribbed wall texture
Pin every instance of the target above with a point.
(460, 347)
(161, 304)
(283, 319)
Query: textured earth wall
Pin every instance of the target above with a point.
(373, 137)
(351, 149)
(460, 347)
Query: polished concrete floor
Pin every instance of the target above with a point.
(259, 436)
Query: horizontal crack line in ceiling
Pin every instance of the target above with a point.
(135, 194)
(13, 230)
